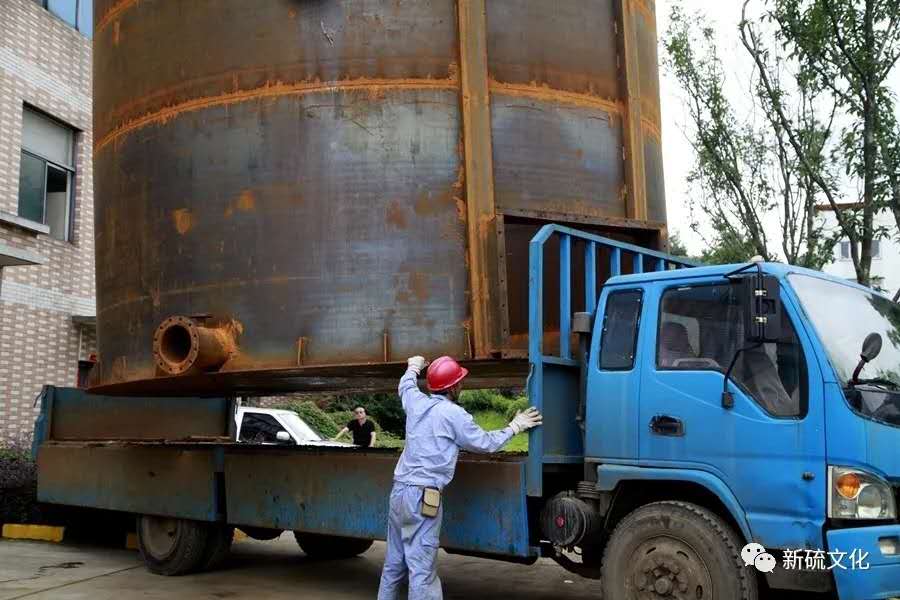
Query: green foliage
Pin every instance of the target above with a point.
(385, 408)
(342, 417)
(728, 246)
(387, 439)
(18, 486)
(485, 400)
(847, 51)
(491, 410)
(516, 406)
(676, 246)
(764, 157)
(492, 420)
(314, 416)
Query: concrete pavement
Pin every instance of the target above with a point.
(271, 570)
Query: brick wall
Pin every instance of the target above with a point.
(46, 64)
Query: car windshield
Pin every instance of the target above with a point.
(843, 316)
(299, 427)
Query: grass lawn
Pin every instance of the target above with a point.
(490, 420)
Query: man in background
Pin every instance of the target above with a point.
(361, 427)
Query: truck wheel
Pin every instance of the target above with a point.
(218, 545)
(675, 550)
(263, 534)
(316, 545)
(171, 546)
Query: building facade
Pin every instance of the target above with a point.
(885, 253)
(47, 308)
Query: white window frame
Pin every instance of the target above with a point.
(68, 169)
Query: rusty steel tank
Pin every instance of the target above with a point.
(299, 194)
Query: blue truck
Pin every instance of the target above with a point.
(709, 432)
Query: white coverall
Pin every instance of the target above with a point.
(436, 428)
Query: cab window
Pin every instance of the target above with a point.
(260, 429)
(702, 327)
(620, 328)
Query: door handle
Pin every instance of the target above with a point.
(666, 425)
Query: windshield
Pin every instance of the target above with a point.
(300, 428)
(843, 316)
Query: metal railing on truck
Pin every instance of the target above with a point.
(555, 374)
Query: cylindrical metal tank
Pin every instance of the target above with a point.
(291, 193)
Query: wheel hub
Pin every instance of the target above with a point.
(160, 536)
(668, 568)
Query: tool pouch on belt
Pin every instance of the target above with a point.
(431, 502)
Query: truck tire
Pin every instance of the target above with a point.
(318, 546)
(263, 534)
(674, 550)
(218, 546)
(171, 546)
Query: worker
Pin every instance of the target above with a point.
(361, 427)
(436, 428)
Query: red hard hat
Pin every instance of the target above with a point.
(444, 373)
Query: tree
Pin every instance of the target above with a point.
(676, 246)
(846, 50)
(746, 171)
(787, 154)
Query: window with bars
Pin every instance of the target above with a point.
(47, 173)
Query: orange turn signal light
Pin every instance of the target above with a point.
(848, 485)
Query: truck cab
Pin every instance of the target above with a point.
(711, 422)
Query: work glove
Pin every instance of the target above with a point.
(525, 420)
(416, 363)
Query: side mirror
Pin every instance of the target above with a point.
(763, 308)
(871, 347)
(283, 437)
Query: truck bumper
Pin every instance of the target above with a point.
(882, 577)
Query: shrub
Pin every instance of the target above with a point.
(482, 400)
(384, 408)
(18, 486)
(515, 406)
(314, 416)
(386, 439)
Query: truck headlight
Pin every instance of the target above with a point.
(856, 494)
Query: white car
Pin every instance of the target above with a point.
(276, 426)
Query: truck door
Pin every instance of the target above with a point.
(614, 376)
(769, 448)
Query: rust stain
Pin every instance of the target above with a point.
(396, 216)
(183, 219)
(116, 29)
(416, 291)
(651, 129)
(374, 87)
(275, 196)
(546, 93)
(648, 12)
(246, 201)
(418, 285)
(292, 14)
(114, 11)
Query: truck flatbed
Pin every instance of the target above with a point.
(341, 491)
